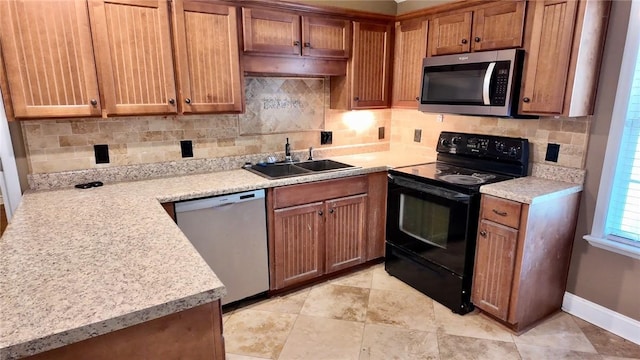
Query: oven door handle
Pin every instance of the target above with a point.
(429, 189)
(487, 82)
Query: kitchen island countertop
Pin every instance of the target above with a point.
(76, 264)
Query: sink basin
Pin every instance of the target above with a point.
(323, 165)
(278, 171)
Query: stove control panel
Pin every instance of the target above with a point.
(484, 146)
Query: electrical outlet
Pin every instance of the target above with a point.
(326, 137)
(102, 153)
(186, 148)
(417, 135)
(553, 150)
(381, 133)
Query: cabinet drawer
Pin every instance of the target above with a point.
(501, 211)
(318, 191)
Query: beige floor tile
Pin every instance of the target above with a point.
(472, 325)
(383, 281)
(531, 352)
(607, 343)
(407, 310)
(381, 342)
(230, 356)
(289, 304)
(465, 348)
(323, 339)
(558, 332)
(360, 279)
(257, 333)
(337, 302)
(605, 357)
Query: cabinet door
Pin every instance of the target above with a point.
(370, 66)
(547, 61)
(298, 244)
(498, 27)
(274, 32)
(323, 37)
(410, 51)
(345, 235)
(133, 52)
(450, 34)
(207, 57)
(494, 266)
(49, 58)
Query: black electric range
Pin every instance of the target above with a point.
(433, 210)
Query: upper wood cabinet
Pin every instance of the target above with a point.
(133, 51)
(410, 50)
(207, 57)
(49, 60)
(281, 33)
(366, 85)
(496, 26)
(564, 42)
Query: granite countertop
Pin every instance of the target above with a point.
(530, 190)
(75, 264)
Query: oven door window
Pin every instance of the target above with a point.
(425, 221)
(431, 224)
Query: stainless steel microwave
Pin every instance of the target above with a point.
(481, 83)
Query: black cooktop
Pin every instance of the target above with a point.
(451, 176)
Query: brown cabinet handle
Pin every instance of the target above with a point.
(498, 212)
(320, 213)
(477, 39)
(464, 41)
(172, 101)
(308, 45)
(94, 102)
(526, 100)
(296, 43)
(187, 100)
(483, 233)
(331, 211)
(357, 98)
(417, 98)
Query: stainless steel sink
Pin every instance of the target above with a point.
(284, 170)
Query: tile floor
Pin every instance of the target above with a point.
(370, 315)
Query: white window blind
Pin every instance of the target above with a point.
(623, 218)
(616, 222)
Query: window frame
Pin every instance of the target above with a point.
(598, 237)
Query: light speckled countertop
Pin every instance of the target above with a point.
(530, 190)
(75, 264)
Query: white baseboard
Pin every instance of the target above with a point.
(602, 317)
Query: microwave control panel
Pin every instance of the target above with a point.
(500, 83)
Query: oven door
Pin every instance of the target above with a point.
(431, 222)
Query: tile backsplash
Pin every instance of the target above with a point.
(67, 144)
(302, 111)
(570, 133)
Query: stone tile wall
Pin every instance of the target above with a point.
(570, 133)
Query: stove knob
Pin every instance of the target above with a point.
(445, 142)
(499, 146)
(513, 151)
(456, 140)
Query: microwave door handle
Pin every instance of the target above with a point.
(487, 81)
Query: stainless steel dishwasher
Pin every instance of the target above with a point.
(230, 233)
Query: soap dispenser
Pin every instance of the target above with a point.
(287, 151)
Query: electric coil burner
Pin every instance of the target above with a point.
(433, 209)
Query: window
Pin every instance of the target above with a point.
(616, 225)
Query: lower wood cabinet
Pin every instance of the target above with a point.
(194, 334)
(522, 258)
(322, 227)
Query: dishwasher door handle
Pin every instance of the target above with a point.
(218, 201)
